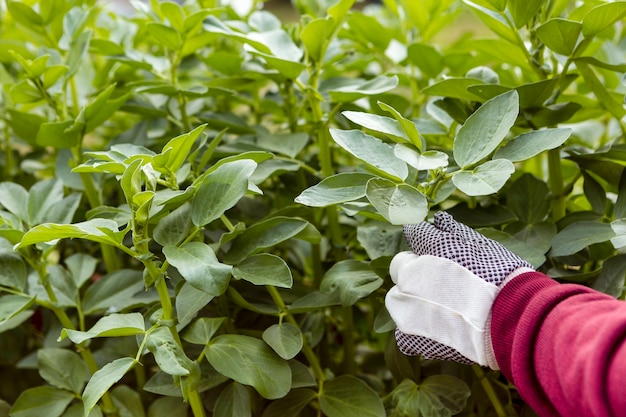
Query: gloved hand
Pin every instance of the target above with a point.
(445, 289)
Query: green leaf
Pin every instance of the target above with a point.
(78, 50)
(397, 203)
(485, 179)
(14, 199)
(603, 16)
(41, 401)
(233, 401)
(424, 161)
(165, 35)
(530, 144)
(375, 86)
(189, 301)
(41, 197)
(409, 128)
(352, 280)
(605, 98)
(438, 396)
(174, 14)
(579, 235)
(24, 15)
(619, 210)
(347, 396)
(532, 254)
(103, 379)
(315, 36)
(82, 267)
(611, 278)
(382, 124)
(12, 270)
(221, 190)
(336, 189)
(529, 198)
(12, 305)
(198, 264)
(168, 407)
(250, 361)
(594, 192)
(175, 227)
(372, 151)
(113, 325)
(267, 233)
(427, 58)
(127, 401)
(96, 230)
(118, 291)
(522, 11)
(560, 35)
(494, 21)
(285, 339)
(485, 129)
(62, 368)
(619, 229)
(202, 330)
(290, 405)
(264, 269)
(25, 125)
(168, 355)
(180, 147)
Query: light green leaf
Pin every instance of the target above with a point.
(285, 339)
(494, 21)
(424, 161)
(579, 235)
(560, 35)
(267, 233)
(315, 37)
(382, 124)
(599, 88)
(96, 230)
(62, 368)
(485, 129)
(14, 199)
(180, 147)
(375, 86)
(233, 401)
(113, 325)
(198, 264)
(264, 269)
(103, 379)
(250, 361)
(485, 179)
(372, 151)
(339, 188)
(168, 355)
(202, 330)
(397, 203)
(427, 58)
(220, 190)
(522, 11)
(41, 401)
(532, 143)
(603, 16)
(409, 128)
(437, 396)
(454, 88)
(352, 280)
(348, 396)
(619, 228)
(165, 35)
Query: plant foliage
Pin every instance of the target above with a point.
(199, 200)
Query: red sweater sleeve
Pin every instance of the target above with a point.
(562, 345)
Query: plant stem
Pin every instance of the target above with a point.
(486, 384)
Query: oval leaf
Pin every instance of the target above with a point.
(264, 269)
(104, 379)
(113, 325)
(579, 235)
(285, 339)
(486, 179)
(484, 129)
(397, 203)
(41, 401)
(352, 279)
(530, 144)
(339, 188)
(347, 396)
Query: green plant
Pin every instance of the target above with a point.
(200, 202)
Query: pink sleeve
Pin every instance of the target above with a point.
(562, 345)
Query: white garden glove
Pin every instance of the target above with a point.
(445, 289)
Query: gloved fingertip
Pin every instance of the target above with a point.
(396, 264)
(445, 222)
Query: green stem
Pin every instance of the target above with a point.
(555, 181)
(306, 348)
(491, 394)
(196, 403)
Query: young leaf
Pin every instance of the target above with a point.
(264, 269)
(250, 361)
(407, 126)
(165, 35)
(522, 11)
(221, 190)
(339, 188)
(198, 264)
(62, 368)
(181, 146)
(315, 37)
(532, 143)
(103, 379)
(39, 401)
(603, 16)
(113, 325)
(485, 129)
(371, 150)
(424, 161)
(96, 230)
(352, 280)
(285, 339)
(398, 203)
(348, 396)
(560, 35)
(382, 124)
(485, 179)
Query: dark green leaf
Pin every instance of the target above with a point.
(234, 401)
(352, 280)
(611, 278)
(290, 405)
(104, 379)
(202, 330)
(437, 396)
(40, 401)
(579, 235)
(189, 301)
(168, 355)
(560, 35)
(529, 198)
(113, 325)
(347, 396)
(264, 269)
(62, 368)
(118, 291)
(454, 88)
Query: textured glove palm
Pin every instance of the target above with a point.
(466, 268)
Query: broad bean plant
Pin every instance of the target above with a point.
(199, 200)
